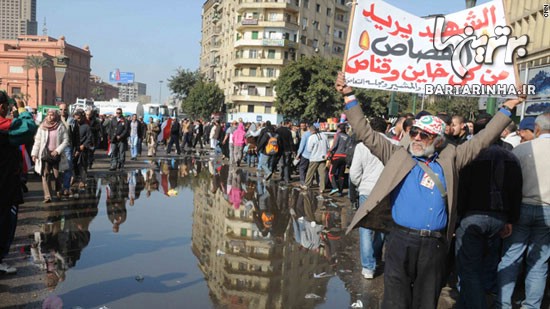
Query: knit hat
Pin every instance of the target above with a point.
(430, 124)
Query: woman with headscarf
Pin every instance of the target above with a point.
(47, 152)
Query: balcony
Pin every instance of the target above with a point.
(252, 79)
(341, 5)
(341, 40)
(265, 42)
(256, 23)
(288, 5)
(214, 47)
(341, 23)
(251, 98)
(259, 61)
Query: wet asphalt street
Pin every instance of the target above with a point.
(187, 232)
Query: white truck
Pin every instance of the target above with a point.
(128, 108)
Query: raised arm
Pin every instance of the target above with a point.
(378, 145)
(469, 150)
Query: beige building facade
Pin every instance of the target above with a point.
(246, 43)
(17, 17)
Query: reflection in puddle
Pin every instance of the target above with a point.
(256, 243)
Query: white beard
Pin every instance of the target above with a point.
(426, 151)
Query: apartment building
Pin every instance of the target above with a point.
(18, 17)
(246, 43)
(130, 92)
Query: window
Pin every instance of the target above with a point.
(306, 4)
(315, 43)
(287, 35)
(252, 90)
(272, 35)
(268, 109)
(329, 12)
(318, 8)
(327, 29)
(268, 91)
(250, 109)
(271, 54)
(243, 232)
(316, 25)
(254, 35)
(270, 72)
(272, 17)
(252, 72)
(253, 54)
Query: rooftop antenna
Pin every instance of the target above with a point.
(44, 28)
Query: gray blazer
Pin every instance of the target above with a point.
(398, 162)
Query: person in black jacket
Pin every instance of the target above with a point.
(285, 151)
(119, 130)
(82, 153)
(489, 201)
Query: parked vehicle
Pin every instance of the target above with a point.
(128, 108)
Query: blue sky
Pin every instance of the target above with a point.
(154, 40)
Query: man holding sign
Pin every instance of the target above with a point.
(418, 191)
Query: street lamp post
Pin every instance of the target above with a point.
(160, 91)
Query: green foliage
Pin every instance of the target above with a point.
(463, 106)
(375, 102)
(98, 93)
(36, 63)
(203, 99)
(305, 89)
(182, 82)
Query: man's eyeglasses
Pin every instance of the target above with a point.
(118, 113)
(423, 135)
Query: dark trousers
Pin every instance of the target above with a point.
(286, 164)
(174, 139)
(198, 139)
(478, 246)
(187, 140)
(118, 154)
(8, 224)
(302, 169)
(336, 173)
(414, 272)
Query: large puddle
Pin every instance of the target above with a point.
(192, 233)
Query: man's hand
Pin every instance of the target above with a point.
(54, 153)
(506, 230)
(512, 103)
(341, 85)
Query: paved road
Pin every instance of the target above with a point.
(28, 288)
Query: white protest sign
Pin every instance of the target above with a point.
(465, 53)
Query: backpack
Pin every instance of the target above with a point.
(272, 146)
(22, 129)
(349, 147)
